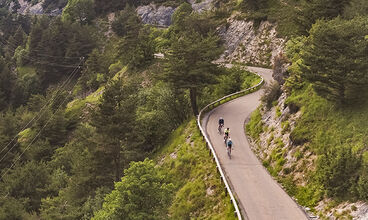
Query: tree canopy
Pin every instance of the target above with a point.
(335, 59)
(140, 194)
(194, 47)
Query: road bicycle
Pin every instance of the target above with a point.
(228, 150)
(220, 128)
(225, 139)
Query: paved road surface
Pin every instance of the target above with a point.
(258, 194)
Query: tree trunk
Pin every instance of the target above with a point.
(117, 167)
(193, 100)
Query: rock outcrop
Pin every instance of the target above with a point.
(246, 43)
(27, 7)
(161, 15)
(151, 14)
(201, 6)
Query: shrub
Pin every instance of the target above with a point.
(255, 126)
(299, 135)
(272, 93)
(337, 171)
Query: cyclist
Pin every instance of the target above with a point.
(221, 124)
(227, 132)
(229, 143)
(229, 146)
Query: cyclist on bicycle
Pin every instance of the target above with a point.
(229, 146)
(227, 132)
(229, 143)
(221, 124)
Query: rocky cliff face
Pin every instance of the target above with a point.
(248, 44)
(33, 9)
(201, 6)
(151, 14)
(27, 7)
(161, 15)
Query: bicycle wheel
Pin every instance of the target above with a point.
(228, 152)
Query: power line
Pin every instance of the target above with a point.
(48, 121)
(48, 63)
(12, 46)
(38, 116)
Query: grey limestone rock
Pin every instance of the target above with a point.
(27, 8)
(203, 5)
(151, 14)
(249, 44)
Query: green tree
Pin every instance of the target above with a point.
(81, 11)
(253, 5)
(114, 120)
(79, 170)
(143, 193)
(319, 9)
(356, 8)
(7, 81)
(161, 109)
(363, 180)
(335, 59)
(194, 47)
(126, 22)
(11, 208)
(135, 48)
(27, 183)
(337, 171)
(20, 36)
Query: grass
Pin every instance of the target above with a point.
(255, 127)
(278, 112)
(326, 128)
(77, 104)
(25, 71)
(331, 126)
(200, 193)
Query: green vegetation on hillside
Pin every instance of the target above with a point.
(193, 188)
(82, 98)
(327, 84)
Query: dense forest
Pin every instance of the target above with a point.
(79, 104)
(84, 101)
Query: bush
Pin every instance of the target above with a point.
(272, 93)
(255, 126)
(337, 170)
(280, 69)
(299, 135)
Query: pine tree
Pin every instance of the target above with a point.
(319, 9)
(115, 120)
(335, 59)
(190, 62)
(7, 81)
(19, 36)
(81, 11)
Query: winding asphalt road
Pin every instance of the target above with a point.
(259, 195)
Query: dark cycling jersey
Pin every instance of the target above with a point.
(221, 121)
(229, 143)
